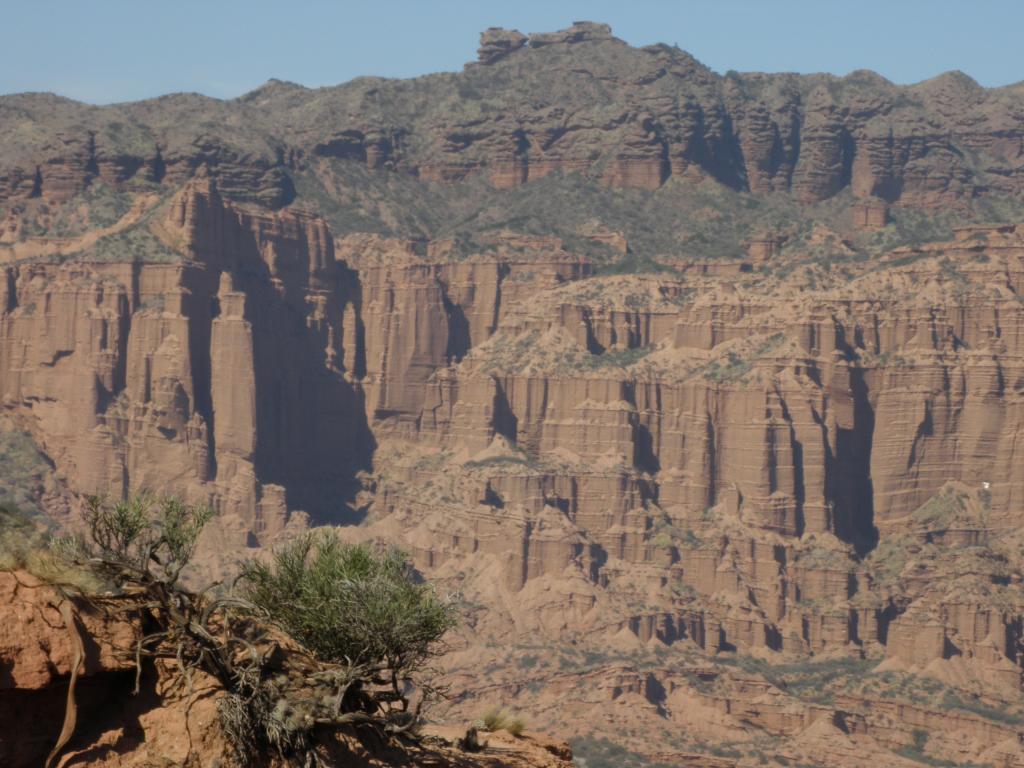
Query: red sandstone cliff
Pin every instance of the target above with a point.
(692, 461)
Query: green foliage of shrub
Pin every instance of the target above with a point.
(887, 561)
(599, 752)
(952, 700)
(622, 358)
(347, 603)
(521, 459)
(920, 739)
(810, 680)
(144, 538)
(941, 509)
(23, 471)
(734, 368)
(107, 206)
(136, 243)
(529, 661)
(916, 754)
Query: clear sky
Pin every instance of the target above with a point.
(116, 50)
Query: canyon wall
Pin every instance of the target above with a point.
(711, 436)
(214, 377)
(760, 458)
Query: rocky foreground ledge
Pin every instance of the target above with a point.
(165, 724)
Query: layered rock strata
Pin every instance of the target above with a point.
(578, 100)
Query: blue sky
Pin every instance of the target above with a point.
(116, 50)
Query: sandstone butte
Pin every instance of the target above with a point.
(702, 392)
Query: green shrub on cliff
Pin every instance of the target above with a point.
(136, 243)
(24, 471)
(941, 509)
(347, 603)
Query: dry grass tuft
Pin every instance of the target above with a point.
(496, 719)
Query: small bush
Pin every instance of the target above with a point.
(941, 509)
(24, 471)
(496, 719)
(520, 459)
(516, 726)
(598, 752)
(349, 604)
(493, 719)
(144, 538)
(953, 701)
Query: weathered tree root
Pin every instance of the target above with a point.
(70, 616)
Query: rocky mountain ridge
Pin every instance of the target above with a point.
(578, 100)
